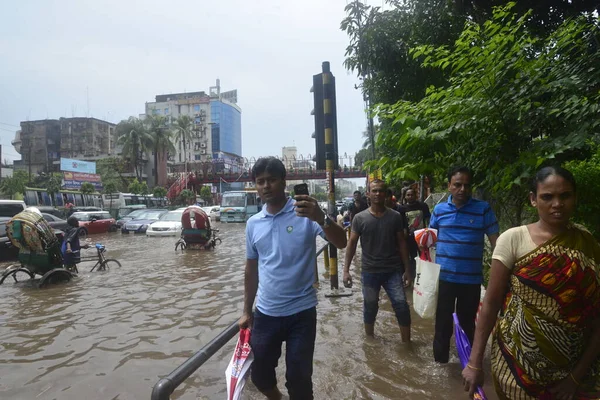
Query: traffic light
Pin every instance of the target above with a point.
(319, 133)
(325, 114)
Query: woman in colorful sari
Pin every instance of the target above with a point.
(545, 277)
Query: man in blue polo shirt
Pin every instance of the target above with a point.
(462, 224)
(280, 266)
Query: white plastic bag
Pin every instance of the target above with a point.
(239, 366)
(425, 290)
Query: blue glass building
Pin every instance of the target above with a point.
(226, 132)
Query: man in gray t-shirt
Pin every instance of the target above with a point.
(381, 231)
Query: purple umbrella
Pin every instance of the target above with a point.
(464, 352)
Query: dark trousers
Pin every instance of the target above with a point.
(466, 299)
(299, 332)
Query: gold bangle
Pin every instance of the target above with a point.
(473, 368)
(574, 380)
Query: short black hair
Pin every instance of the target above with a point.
(543, 173)
(378, 181)
(72, 221)
(271, 165)
(459, 170)
(357, 191)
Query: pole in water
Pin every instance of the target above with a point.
(331, 158)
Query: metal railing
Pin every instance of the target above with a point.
(163, 389)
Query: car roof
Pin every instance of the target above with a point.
(90, 212)
(12, 201)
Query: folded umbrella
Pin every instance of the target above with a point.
(464, 352)
(239, 366)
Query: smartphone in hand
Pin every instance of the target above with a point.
(302, 188)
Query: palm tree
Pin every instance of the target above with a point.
(161, 142)
(134, 138)
(184, 132)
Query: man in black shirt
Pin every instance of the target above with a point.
(357, 205)
(417, 215)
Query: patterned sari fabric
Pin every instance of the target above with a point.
(547, 316)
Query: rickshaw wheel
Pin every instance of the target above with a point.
(56, 275)
(108, 264)
(16, 271)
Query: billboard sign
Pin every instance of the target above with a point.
(70, 165)
(73, 180)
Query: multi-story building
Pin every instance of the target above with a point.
(289, 155)
(217, 136)
(216, 118)
(42, 143)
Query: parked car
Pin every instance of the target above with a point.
(10, 208)
(132, 215)
(7, 250)
(52, 211)
(168, 225)
(141, 223)
(214, 212)
(55, 222)
(82, 209)
(95, 221)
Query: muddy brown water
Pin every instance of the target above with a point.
(112, 335)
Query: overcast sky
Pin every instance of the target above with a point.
(124, 52)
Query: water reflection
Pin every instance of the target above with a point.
(111, 335)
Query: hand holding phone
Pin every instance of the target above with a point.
(301, 189)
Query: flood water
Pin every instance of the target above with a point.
(112, 335)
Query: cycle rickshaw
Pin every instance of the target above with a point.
(40, 252)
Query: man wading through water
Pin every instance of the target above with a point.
(280, 265)
(384, 256)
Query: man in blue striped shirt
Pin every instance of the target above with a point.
(462, 223)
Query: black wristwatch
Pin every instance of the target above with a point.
(326, 222)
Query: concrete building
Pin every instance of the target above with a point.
(289, 155)
(42, 143)
(217, 123)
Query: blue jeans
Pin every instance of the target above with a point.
(394, 287)
(299, 332)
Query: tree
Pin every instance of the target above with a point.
(111, 169)
(109, 189)
(87, 188)
(159, 192)
(187, 196)
(587, 176)
(160, 140)
(135, 187)
(184, 133)
(506, 110)
(133, 136)
(206, 194)
(53, 186)
(143, 191)
(15, 184)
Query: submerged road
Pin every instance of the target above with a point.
(112, 335)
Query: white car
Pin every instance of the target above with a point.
(214, 212)
(168, 225)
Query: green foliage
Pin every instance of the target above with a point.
(187, 196)
(159, 192)
(110, 170)
(14, 185)
(143, 189)
(159, 140)
(135, 187)
(206, 194)
(133, 135)
(512, 102)
(587, 176)
(183, 131)
(87, 188)
(380, 42)
(53, 186)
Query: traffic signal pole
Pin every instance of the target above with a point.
(326, 156)
(330, 158)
